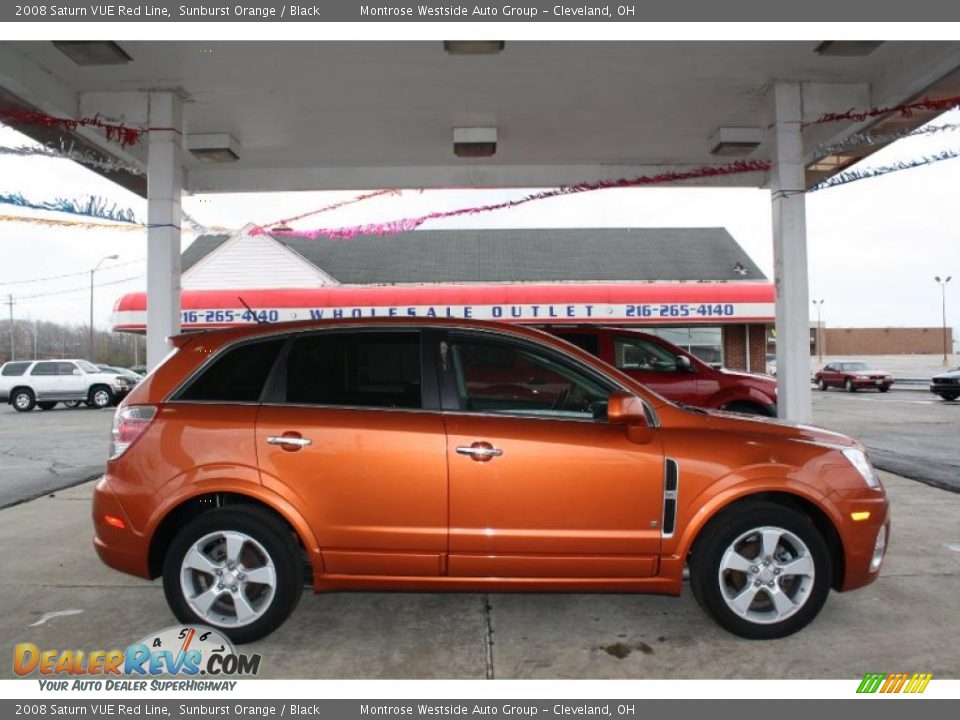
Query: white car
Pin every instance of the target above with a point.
(43, 383)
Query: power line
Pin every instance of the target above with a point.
(85, 289)
(65, 275)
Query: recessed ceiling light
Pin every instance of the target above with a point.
(735, 141)
(847, 48)
(214, 147)
(473, 47)
(93, 52)
(474, 141)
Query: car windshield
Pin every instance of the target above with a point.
(856, 366)
(88, 367)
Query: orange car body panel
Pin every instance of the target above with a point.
(383, 499)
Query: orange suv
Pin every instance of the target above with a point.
(412, 454)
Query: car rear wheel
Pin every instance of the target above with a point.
(47, 405)
(849, 386)
(236, 570)
(761, 571)
(23, 400)
(884, 388)
(99, 397)
(821, 385)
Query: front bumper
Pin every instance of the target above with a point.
(859, 537)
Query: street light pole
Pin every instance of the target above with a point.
(943, 308)
(94, 270)
(819, 304)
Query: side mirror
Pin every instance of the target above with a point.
(683, 364)
(626, 409)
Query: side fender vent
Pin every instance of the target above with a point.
(671, 484)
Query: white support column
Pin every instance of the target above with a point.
(787, 182)
(164, 185)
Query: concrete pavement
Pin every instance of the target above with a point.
(904, 621)
(44, 451)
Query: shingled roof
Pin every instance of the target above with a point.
(520, 255)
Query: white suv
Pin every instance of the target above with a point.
(44, 383)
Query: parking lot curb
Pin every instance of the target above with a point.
(72, 483)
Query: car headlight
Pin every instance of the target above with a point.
(858, 458)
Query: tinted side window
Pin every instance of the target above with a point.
(15, 368)
(507, 378)
(65, 368)
(44, 368)
(236, 376)
(643, 355)
(355, 369)
(584, 341)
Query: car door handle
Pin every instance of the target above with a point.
(480, 451)
(289, 442)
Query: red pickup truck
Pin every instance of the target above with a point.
(675, 373)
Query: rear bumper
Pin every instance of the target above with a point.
(121, 549)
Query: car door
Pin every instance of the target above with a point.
(541, 485)
(656, 367)
(351, 432)
(71, 382)
(831, 375)
(43, 379)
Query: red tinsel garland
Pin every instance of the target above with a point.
(121, 133)
(905, 110)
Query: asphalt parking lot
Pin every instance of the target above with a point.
(57, 594)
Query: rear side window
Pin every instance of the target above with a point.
(355, 369)
(238, 375)
(44, 368)
(15, 368)
(65, 368)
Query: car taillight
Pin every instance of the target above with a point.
(129, 424)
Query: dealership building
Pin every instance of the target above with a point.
(693, 286)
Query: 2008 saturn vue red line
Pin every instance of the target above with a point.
(455, 455)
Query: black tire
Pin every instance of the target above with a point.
(949, 396)
(23, 400)
(821, 385)
(100, 397)
(721, 534)
(47, 404)
(884, 388)
(275, 540)
(849, 386)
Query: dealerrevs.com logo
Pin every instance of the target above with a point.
(894, 682)
(184, 651)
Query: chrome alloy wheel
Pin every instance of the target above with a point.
(766, 575)
(22, 401)
(228, 578)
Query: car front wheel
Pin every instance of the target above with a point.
(821, 385)
(762, 571)
(236, 570)
(849, 386)
(23, 400)
(99, 397)
(950, 395)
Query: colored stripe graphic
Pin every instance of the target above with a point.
(894, 682)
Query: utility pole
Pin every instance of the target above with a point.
(92, 272)
(13, 349)
(819, 304)
(943, 307)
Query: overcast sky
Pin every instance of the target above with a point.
(874, 245)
